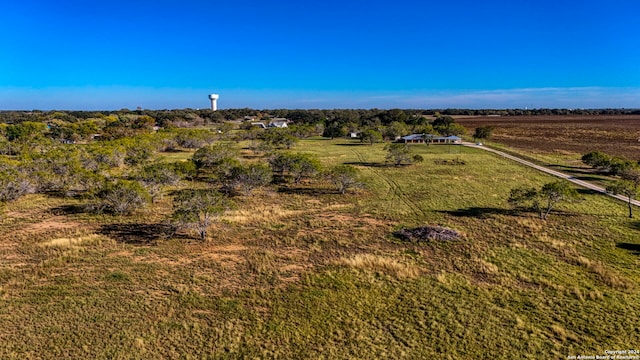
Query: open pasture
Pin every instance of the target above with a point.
(299, 271)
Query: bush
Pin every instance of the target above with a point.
(122, 197)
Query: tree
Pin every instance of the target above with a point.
(304, 166)
(452, 129)
(194, 138)
(334, 130)
(544, 200)
(483, 132)
(211, 156)
(296, 165)
(344, 177)
(395, 130)
(597, 160)
(371, 136)
(398, 153)
(155, 176)
(123, 197)
(13, 183)
(279, 138)
(627, 188)
(251, 177)
(198, 209)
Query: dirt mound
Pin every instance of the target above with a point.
(428, 233)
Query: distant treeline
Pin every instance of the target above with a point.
(192, 117)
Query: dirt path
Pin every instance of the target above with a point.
(395, 190)
(554, 173)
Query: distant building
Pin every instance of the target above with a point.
(430, 139)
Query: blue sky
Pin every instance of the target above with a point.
(69, 54)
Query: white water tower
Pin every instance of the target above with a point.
(214, 101)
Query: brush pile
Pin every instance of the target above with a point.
(428, 233)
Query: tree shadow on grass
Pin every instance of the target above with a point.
(353, 144)
(306, 190)
(632, 248)
(137, 234)
(68, 210)
(635, 225)
(370, 164)
(481, 212)
(583, 191)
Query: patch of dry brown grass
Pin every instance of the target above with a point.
(381, 264)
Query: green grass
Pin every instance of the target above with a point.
(319, 275)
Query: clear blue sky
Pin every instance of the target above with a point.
(71, 54)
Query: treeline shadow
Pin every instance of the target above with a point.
(353, 144)
(632, 248)
(306, 190)
(369, 164)
(68, 210)
(583, 191)
(137, 234)
(481, 212)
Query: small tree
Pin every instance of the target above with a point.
(13, 184)
(155, 176)
(198, 209)
(304, 166)
(297, 165)
(544, 200)
(371, 136)
(483, 132)
(334, 130)
(627, 188)
(123, 197)
(597, 160)
(344, 177)
(251, 177)
(398, 153)
(208, 157)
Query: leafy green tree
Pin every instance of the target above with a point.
(344, 177)
(26, 130)
(628, 188)
(155, 177)
(483, 132)
(296, 165)
(194, 138)
(213, 156)
(396, 129)
(371, 136)
(442, 121)
(122, 197)
(452, 129)
(199, 209)
(544, 200)
(398, 154)
(251, 177)
(334, 130)
(304, 166)
(279, 138)
(598, 160)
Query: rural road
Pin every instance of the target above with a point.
(553, 172)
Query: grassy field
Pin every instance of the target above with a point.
(303, 272)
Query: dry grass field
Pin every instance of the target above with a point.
(300, 271)
(617, 135)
